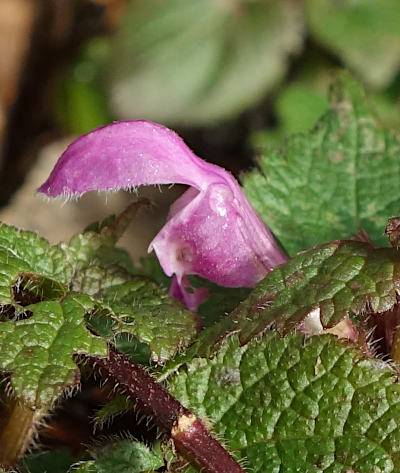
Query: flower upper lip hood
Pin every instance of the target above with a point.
(212, 230)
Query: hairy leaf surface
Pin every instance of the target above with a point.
(26, 252)
(293, 404)
(38, 350)
(328, 184)
(123, 457)
(141, 308)
(336, 280)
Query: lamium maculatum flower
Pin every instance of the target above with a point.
(212, 230)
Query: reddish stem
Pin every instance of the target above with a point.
(195, 443)
(190, 436)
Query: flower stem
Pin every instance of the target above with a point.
(18, 432)
(189, 434)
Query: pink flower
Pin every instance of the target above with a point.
(212, 230)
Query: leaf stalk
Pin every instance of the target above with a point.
(18, 432)
(190, 436)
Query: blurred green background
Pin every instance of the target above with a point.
(231, 76)
(261, 67)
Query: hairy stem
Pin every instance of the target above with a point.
(395, 351)
(189, 434)
(18, 432)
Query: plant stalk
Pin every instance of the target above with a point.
(190, 436)
(395, 351)
(18, 432)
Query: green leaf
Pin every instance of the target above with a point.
(150, 267)
(23, 253)
(133, 312)
(297, 405)
(93, 279)
(201, 61)
(327, 184)
(141, 308)
(221, 301)
(96, 245)
(56, 461)
(336, 280)
(96, 261)
(30, 288)
(84, 467)
(139, 352)
(80, 98)
(117, 406)
(386, 108)
(124, 457)
(339, 279)
(29, 264)
(364, 34)
(80, 107)
(298, 108)
(38, 350)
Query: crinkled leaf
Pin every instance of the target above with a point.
(96, 245)
(124, 457)
(338, 279)
(141, 308)
(38, 350)
(46, 269)
(133, 312)
(296, 405)
(97, 262)
(327, 184)
(25, 252)
(364, 34)
(221, 301)
(201, 61)
(102, 323)
(93, 279)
